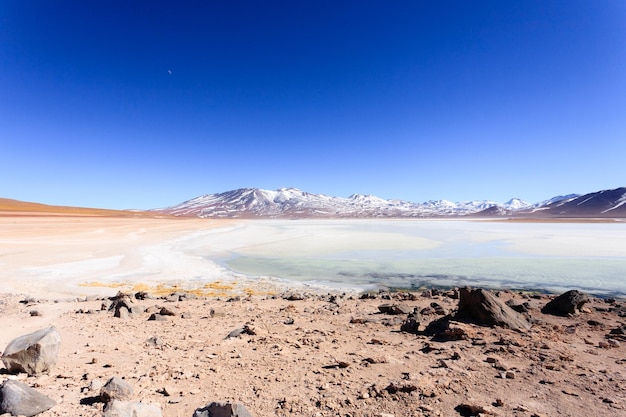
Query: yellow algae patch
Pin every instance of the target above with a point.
(209, 289)
(218, 285)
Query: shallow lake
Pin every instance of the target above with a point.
(416, 253)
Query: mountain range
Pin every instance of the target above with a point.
(295, 203)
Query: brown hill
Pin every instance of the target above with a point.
(9, 207)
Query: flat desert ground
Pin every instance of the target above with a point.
(303, 352)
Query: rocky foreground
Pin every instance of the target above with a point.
(436, 353)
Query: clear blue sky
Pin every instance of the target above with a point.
(144, 104)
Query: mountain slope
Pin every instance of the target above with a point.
(295, 203)
(17, 207)
(606, 203)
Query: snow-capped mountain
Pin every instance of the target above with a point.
(295, 203)
(559, 199)
(605, 203)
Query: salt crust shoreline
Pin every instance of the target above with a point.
(58, 255)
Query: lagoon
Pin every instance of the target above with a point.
(422, 253)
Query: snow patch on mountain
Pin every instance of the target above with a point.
(292, 202)
(620, 202)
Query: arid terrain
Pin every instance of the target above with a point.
(327, 355)
(290, 352)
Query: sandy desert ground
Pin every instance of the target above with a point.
(326, 355)
(301, 353)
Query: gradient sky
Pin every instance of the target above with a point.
(145, 104)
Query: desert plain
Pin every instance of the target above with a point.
(281, 349)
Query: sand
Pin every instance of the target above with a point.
(323, 355)
(56, 256)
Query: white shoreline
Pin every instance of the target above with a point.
(56, 256)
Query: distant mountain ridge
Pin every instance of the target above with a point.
(295, 203)
(605, 203)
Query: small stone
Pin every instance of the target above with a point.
(136, 310)
(470, 409)
(225, 409)
(410, 325)
(157, 317)
(155, 341)
(116, 389)
(118, 408)
(235, 333)
(96, 385)
(166, 391)
(142, 295)
(376, 359)
(613, 343)
(166, 312)
(122, 313)
(394, 309)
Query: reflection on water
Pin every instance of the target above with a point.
(365, 254)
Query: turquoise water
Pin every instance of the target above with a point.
(413, 254)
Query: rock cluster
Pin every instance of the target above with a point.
(428, 354)
(37, 352)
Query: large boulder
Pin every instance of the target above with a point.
(19, 399)
(131, 409)
(483, 308)
(222, 409)
(34, 353)
(570, 302)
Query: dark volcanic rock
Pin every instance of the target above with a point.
(567, 303)
(19, 399)
(438, 326)
(411, 324)
(120, 304)
(483, 308)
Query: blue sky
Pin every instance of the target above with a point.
(144, 104)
